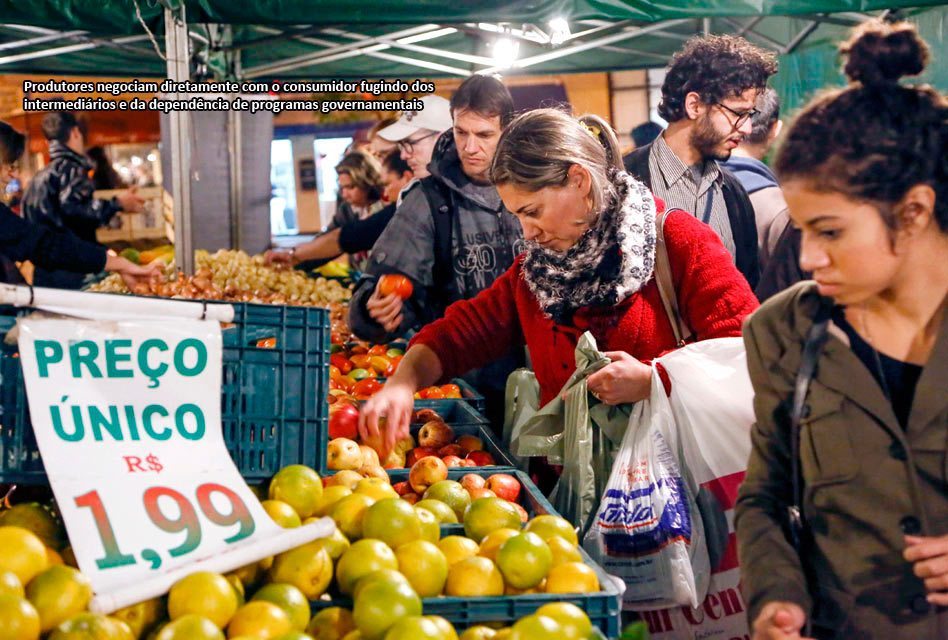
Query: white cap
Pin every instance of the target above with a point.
(435, 115)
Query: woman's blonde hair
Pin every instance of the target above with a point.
(364, 171)
(538, 148)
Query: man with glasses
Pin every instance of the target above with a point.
(708, 98)
(416, 132)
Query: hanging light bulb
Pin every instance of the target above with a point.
(505, 52)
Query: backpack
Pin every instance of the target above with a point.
(441, 205)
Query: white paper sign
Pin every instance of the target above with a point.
(127, 418)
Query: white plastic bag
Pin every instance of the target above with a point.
(712, 403)
(647, 530)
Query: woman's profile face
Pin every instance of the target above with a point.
(351, 193)
(845, 243)
(553, 217)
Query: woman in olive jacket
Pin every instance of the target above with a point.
(865, 173)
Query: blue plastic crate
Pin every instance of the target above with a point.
(603, 608)
(273, 405)
(471, 395)
(453, 411)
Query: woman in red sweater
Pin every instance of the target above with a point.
(590, 251)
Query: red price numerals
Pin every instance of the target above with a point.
(187, 521)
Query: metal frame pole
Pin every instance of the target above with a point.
(177, 50)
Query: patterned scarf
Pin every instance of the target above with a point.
(612, 260)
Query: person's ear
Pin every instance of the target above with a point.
(775, 130)
(694, 107)
(577, 177)
(916, 210)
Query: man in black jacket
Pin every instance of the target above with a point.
(45, 247)
(60, 196)
(708, 98)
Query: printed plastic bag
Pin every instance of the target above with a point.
(647, 530)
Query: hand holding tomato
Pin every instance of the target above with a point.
(387, 309)
(395, 283)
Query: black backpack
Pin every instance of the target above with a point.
(441, 204)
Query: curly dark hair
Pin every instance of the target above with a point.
(12, 144)
(874, 139)
(714, 67)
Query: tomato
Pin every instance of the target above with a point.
(381, 364)
(358, 349)
(451, 391)
(365, 388)
(334, 372)
(267, 343)
(432, 393)
(361, 361)
(341, 362)
(397, 284)
(344, 421)
(378, 350)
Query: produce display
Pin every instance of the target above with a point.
(384, 562)
(231, 276)
(435, 438)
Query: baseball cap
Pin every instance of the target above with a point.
(436, 116)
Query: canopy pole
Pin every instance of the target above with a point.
(177, 52)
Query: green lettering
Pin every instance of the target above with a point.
(200, 351)
(150, 410)
(113, 358)
(47, 352)
(97, 420)
(195, 411)
(152, 372)
(132, 422)
(75, 436)
(88, 358)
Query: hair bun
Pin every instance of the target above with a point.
(880, 53)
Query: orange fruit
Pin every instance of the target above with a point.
(20, 619)
(288, 598)
(331, 624)
(376, 488)
(489, 514)
(524, 560)
(563, 551)
(447, 629)
(190, 627)
(298, 486)
(382, 575)
(573, 621)
(547, 526)
(494, 540)
(349, 514)
(143, 616)
(457, 548)
(444, 513)
(362, 558)
(393, 521)
(425, 567)
(536, 627)
(308, 568)
(330, 496)
(473, 577)
(57, 594)
(478, 632)
(430, 528)
(10, 585)
(452, 494)
(93, 625)
(282, 513)
(37, 519)
(23, 553)
(414, 628)
(263, 620)
(204, 594)
(382, 604)
(572, 577)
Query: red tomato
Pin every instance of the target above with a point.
(267, 343)
(344, 421)
(451, 391)
(378, 350)
(340, 362)
(365, 388)
(432, 393)
(397, 284)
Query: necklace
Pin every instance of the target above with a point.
(875, 354)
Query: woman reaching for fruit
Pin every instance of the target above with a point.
(590, 234)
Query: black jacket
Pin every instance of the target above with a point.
(740, 211)
(60, 197)
(45, 247)
(783, 269)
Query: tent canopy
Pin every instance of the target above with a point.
(313, 39)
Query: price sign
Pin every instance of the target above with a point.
(127, 418)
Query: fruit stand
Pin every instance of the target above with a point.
(441, 539)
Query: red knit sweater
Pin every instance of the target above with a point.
(713, 296)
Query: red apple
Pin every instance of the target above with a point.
(451, 450)
(343, 421)
(469, 463)
(435, 434)
(411, 498)
(426, 415)
(418, 453)
(453, 461)
(524, 516)
(470, 443)
(473, 481)
(505, 486)
(426, 472)
(401, 488)
(481, 458)
(482, 492)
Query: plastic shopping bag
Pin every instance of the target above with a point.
(647, 530)
(712, 403)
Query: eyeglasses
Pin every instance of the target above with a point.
(407, 146)
(742, 116)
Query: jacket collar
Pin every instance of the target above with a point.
(58, 150)
(841, 370)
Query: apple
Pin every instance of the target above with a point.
(435, 434)
(481, 459)
(343, 453)
(347, 478)
(401, 488)
(473, 481)
(453, 461)
(426, 415)
(451, 450)
(470, 443)
(469, 463)
(426, 472)
(505, 486)
(524, 516)
(418, 453)
(481, 492)
(369, 455)
(411, 498)
(405, 445)
(373, 471)
(395, 460)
